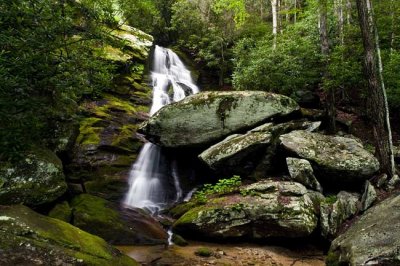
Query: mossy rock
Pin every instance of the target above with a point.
(339, 162)
(264, 210)
(37, 179)
(203, 252)
(115, 225)
(61, 211)
(207, 117)
(28, 238)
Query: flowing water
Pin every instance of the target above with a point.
(171, 82)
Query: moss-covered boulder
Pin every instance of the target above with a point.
(61, 211)
(338, 162)
(28, 238)
(374, 239)
(36, 179)
(207, 117)
(115, 224)
(263, 210)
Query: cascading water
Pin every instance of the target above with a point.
(171, 82)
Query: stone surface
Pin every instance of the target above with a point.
(107, 144)
(235, 149)
(61, 211)
(28, 238)
(38, 178)
(301, 171)
(338, 162)
(369, 196)
(333, 214)
(241, 153)
(267, 209)
(207, 117)
(116, 225)
(374, 239)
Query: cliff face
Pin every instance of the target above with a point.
(107, 145)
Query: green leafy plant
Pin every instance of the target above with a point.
(223, 186)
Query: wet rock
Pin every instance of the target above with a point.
(333, 214)
(36, 179)
(374, 239)
(207, 117)
(369, 196)
(267, 209)
(28, 238)
(338, 162)
(116, 225)
(301, 171)
(106, 147)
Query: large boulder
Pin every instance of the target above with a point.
(210, 116)
(263, 210)
(338, 162)
(28, 238)
(374, 239)
(116, 225)
(241, 153)
(36, 179)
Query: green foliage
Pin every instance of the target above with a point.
(223, 186)
(47, 64)
(292, 65)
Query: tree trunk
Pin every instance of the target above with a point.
(377, 100)
(274, 4)
(295, 12)
(323, 30)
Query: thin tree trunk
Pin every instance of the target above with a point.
(348, 11)
(378, 105)
(392, 34)
(274, 4)
(295, 12)
(323, 30)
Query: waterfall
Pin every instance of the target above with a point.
(171, 82)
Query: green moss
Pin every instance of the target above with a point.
(61, 212)
(203, 252)
(52, 235)
(89, 210)
(332, 259)
(182, 208)
(178, 240)
(88, 133)
(331, 199)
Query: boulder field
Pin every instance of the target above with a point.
(307, 183)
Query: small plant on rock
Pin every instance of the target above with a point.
(223, 186)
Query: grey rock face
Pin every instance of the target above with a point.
(266, 209)
(333, 215)
(301, 171)
(337, 161)
(210, 116)
(374, 239)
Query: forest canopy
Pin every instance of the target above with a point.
(49, 51)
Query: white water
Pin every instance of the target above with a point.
(171, 82)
